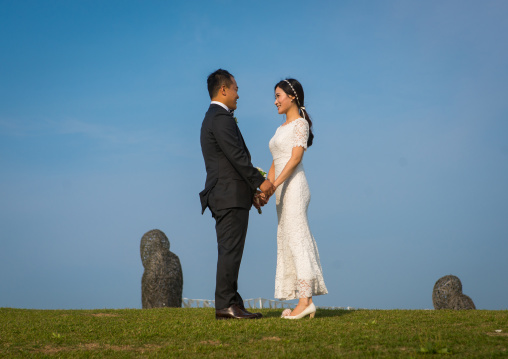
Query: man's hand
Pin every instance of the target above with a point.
(263, 198)
(260, 198)
(267, 188)
(256, 202)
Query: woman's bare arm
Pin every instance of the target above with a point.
(271, 173)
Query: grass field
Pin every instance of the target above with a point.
(194, 333)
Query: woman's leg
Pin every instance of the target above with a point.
(303, 303)
(305, 294)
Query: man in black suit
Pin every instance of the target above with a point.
(230, 190)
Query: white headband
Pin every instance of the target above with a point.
(297, 101)
(292, 88)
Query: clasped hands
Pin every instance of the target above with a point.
(261, 197)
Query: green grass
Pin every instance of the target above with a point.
(194, 333)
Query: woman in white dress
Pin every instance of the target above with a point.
(299, 274)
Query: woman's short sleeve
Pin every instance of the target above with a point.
(301, 133)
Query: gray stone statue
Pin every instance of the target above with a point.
(162, 282)
(447, 294)
(461, 301)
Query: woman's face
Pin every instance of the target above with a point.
(282, 101)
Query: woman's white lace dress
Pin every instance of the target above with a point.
(299, 272)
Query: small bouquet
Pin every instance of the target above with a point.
(263, 173)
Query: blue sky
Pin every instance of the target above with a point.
(101, 106)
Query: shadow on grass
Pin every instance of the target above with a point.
(321, 313)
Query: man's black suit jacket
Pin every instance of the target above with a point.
(231, 179)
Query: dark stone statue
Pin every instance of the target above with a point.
(444, 288)
(162, 282)
(447, 294)
(461, 301)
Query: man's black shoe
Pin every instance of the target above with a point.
(234, 312)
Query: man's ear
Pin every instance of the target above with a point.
(223, 90)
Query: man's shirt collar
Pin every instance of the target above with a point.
(221, 104)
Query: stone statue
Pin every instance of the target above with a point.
(461, 301)
(162, 282)
(447, 294)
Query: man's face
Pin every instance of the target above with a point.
(231, 95)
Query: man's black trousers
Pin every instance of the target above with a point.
(231, 227)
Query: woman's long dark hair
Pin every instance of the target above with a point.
(296, 90)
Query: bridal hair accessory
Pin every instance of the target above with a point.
(292, 88)
(303, 113)
(297, 101)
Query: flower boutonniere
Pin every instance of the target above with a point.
(236, 120)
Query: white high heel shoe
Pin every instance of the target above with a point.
(310, 311)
